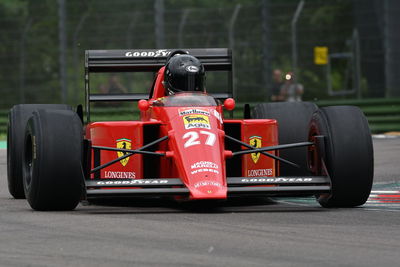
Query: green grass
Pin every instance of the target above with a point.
(383, 128)
(384, 119)
(381, 110)
(3, 136)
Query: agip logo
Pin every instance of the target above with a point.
(124, 144)
(196, 121)
(256, 142)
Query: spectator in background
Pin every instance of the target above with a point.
(277, 83)
(113, 86)
(291, 91)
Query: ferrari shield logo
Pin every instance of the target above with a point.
(255, 141)
(124, 144)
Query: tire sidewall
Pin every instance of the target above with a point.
(55, 181)
(348, 154)
(35, 133)
(15, 144)
(17, 120)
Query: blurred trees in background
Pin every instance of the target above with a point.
(29, 41)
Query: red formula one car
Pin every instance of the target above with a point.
(183, 147)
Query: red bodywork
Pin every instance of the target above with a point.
(196, 151)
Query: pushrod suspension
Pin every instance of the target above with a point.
(264, 153)
(129, 153)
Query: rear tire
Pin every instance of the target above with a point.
(52, 171)
(17, 119)
(348, 154)
(293, 123)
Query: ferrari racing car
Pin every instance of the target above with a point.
(183, 146)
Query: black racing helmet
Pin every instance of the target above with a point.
(183, 73)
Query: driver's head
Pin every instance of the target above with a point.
(184, 73)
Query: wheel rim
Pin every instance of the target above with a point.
(313, 159)
(28, 160)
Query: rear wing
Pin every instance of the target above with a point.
(142, 60)
(149, 60)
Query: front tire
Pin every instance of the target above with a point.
(52, 171)
(348, 154)
(17, 119)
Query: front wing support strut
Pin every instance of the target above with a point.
(129, 153)
(264, 153)
(270, 148)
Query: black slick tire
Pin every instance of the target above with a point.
(17, 119)
(348, 154)
(52, 160)
(293, 123)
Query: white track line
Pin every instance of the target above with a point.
(385, 192)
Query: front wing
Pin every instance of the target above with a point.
(266, 186)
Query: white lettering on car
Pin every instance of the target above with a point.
(276, 180)
(194, 136)
(133, 182)
(218, 116)
(119, 175)
(259, 172)
(204, 166)
(191, 111)
(207, 183)
(157, 53)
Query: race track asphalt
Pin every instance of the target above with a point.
(258, 232)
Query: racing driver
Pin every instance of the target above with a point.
(183, 73)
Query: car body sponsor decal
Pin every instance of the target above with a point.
(276, 180)
(192, 111)
(256, 142)
(133, 182)
(196, 121)
(157, 53)
(217, 115)
(204, 170)
(124, 144)
(207, 183)
(259, 172)
(119, 175)
(204, 166)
